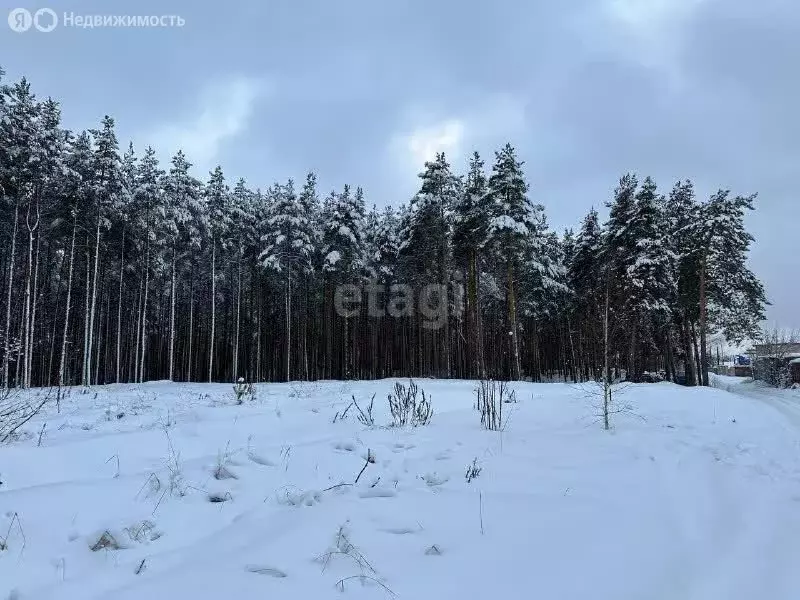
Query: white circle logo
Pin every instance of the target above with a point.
(48, 23)
(20, 19)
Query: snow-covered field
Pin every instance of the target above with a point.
(694, 495)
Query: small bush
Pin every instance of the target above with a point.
(490, 397)
(407, 408)
(244, 391)
(473, 470)
(17, 407)
(106, 541)
(364, 417)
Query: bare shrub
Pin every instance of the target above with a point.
(244, 391)
(365, 417)
(490, 397)
(407, 408)
(142, 532)
(17, 407)
(473, 470)
(343, 547)
(222, 468)
(106, 541)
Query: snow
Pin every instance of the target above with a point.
(695, 494)
(333, 257)
(507, 223)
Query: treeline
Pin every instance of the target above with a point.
(119, 269)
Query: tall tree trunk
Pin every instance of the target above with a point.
(512, 321)
(288, 324)
(172, 319)
(26, 376)
(472, 316)
(445, 276)
(191, 326)
(69, 305)
(94, 295)
(85, 364)
(606, 367)
(238, 317)
(691, 379)
(119, 303)
(258, 336)
(703, 332)
(213, 307)
(134, 371)
(144, 311)
(698, 362)
(34, 304)
(7, 340)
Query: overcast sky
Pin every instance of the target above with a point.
(363, 91)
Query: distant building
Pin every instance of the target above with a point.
(780, 349)
(794, 368)
(771, 359)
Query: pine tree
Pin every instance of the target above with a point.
(511, 224)
(720, 247)
(344, 252)
(650, 275)
(79, 176)
(19, 154)
(216, 196)
(288, 249)
(680, 212)
(185, 225)
(619, 256)
(107, 186)
(147, 204)
(425, 245)
(585, 279)
(470, 234)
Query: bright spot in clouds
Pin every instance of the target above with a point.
(424, 143)
(223, 111)
(651, 15)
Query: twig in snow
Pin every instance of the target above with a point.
(362, 578)
(480, 509)
(4, 540)
(365, 418)
(41, 433)
(110, 459)
(370, 459)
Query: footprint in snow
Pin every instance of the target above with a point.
(400, 447)
(434, 479)
(399, 530)
(260, 460)
(345, 446)
(265, 570)
(377, 493)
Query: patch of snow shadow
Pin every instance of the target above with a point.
(265, 570)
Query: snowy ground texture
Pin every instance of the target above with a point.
(183, 494)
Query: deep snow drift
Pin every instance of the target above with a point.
(172, 491)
